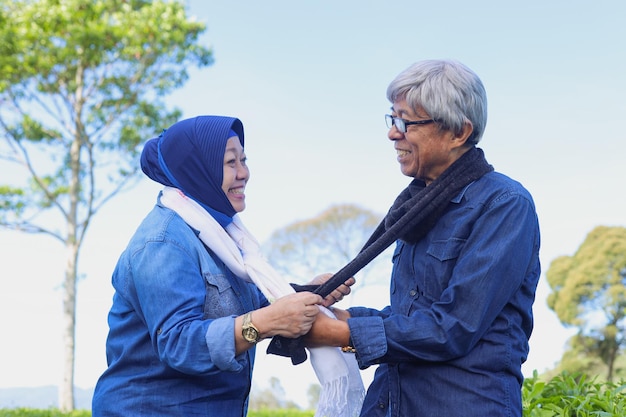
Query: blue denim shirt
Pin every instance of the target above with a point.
(170, 349)
(456, 332)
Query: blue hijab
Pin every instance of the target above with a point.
(190, 156)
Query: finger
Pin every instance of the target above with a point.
(311, 311)
(311, 298)
(338, 295)
(328, 301)
(342, 291)
(336, 298)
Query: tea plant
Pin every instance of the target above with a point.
(573, 395)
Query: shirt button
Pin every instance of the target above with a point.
(159, 330)
(412, 293)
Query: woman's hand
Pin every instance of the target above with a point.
(327, 331)
(290, 316)
(338, 294)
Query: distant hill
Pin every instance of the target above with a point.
(42, 397)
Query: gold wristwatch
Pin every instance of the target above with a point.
(248, 331)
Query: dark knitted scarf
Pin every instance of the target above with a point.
(414, 213)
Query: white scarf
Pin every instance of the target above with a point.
(338, 373)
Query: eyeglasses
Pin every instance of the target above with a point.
(401, 124)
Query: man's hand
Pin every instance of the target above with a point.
(338, 294)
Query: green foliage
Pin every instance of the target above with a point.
(28, 412)
(52, 412)
(565, 395)
(573, 395)
(281, 413)
(82, 88)
(589, 292)
(11, 199)
(593, 278)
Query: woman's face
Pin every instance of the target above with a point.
(236, 174)
(423, 151)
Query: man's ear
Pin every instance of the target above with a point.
(464, 134)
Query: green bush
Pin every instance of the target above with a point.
(565, 395)
(280, 413)
(51, 412)
(573, 395)
(29, 412)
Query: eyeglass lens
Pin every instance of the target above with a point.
(398, 122)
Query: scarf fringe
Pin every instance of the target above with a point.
(338, 399)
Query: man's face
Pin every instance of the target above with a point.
(424, 151)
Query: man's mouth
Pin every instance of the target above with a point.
(402, 153)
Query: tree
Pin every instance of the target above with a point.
(589, 292)
(272, 398)
(313, 395)
(82, 85)
(324, 243)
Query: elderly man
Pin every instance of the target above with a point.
(454, 337)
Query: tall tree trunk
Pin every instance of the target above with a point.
(66, 390)
(72, 244)
(611, 362)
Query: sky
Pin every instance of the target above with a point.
(308, 80)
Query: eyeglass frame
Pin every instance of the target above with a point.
(392, 121)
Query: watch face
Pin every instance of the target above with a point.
(250, 334)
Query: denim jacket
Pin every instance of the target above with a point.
(456, 332)
(170, 349)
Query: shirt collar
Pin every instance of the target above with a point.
(460, 195)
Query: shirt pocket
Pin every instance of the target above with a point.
(439, 265)
(394, 260)
(221, 300)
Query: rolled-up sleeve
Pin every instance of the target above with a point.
(223, 348)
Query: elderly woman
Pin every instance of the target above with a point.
(191, 290)
(454, 337)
